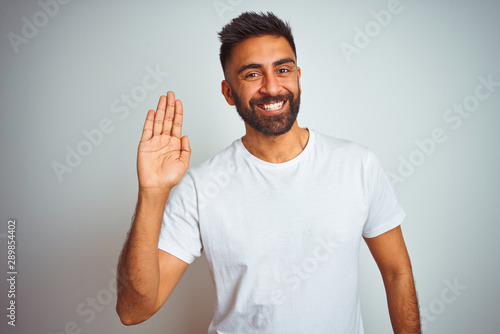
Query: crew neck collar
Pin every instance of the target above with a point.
(250, 157)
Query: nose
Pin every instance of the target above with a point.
(270, 85)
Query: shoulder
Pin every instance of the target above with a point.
(340, 148)
(223, 160)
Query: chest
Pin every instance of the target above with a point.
(283, 217)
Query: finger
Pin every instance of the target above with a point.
(185, 149)
(177, 122)
(147, 131)
(159, 115)
(169, 113)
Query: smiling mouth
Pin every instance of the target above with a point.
(272, 106)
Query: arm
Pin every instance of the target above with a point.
(147, 275)
(391, 256)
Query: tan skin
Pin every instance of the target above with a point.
(267, 79)
(147, 275)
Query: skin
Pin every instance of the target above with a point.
(391, 256)
(260, 67)
(147, 275)
(268, 79)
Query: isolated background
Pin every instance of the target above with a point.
(392, 93)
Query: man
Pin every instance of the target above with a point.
(279, 213)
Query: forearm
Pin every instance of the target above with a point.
(403, 304)
(138, 267)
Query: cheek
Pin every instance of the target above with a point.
(291, 84)
(247, 92)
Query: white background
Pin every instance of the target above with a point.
(65, 75)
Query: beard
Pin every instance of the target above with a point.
(271, 125)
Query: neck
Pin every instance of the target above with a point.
(276, 149)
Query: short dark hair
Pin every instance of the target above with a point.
(251, 24)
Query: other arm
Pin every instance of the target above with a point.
(391, 256)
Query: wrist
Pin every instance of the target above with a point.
(154, 195)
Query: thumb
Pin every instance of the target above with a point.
(185, 149)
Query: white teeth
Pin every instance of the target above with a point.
(274, 106)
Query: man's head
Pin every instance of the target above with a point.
(262, 79)
(251, 24)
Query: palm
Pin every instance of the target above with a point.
(163, 156)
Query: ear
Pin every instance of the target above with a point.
(298, 72)
(226, 91)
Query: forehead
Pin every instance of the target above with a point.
(263, 50)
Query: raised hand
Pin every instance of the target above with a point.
(163, 155)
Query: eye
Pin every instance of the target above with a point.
(283, 70)
(251, 75)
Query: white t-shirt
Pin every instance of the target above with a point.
(282, 240)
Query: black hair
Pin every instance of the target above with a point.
(251, 24)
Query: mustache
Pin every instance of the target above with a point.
(271, 99)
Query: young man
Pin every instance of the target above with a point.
(279, 213)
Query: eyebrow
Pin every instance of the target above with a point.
(276, 63)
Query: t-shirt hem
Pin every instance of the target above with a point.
(394, 222)
(178, 253)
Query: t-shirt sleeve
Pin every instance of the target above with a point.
(180, 232)
(385, 212)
